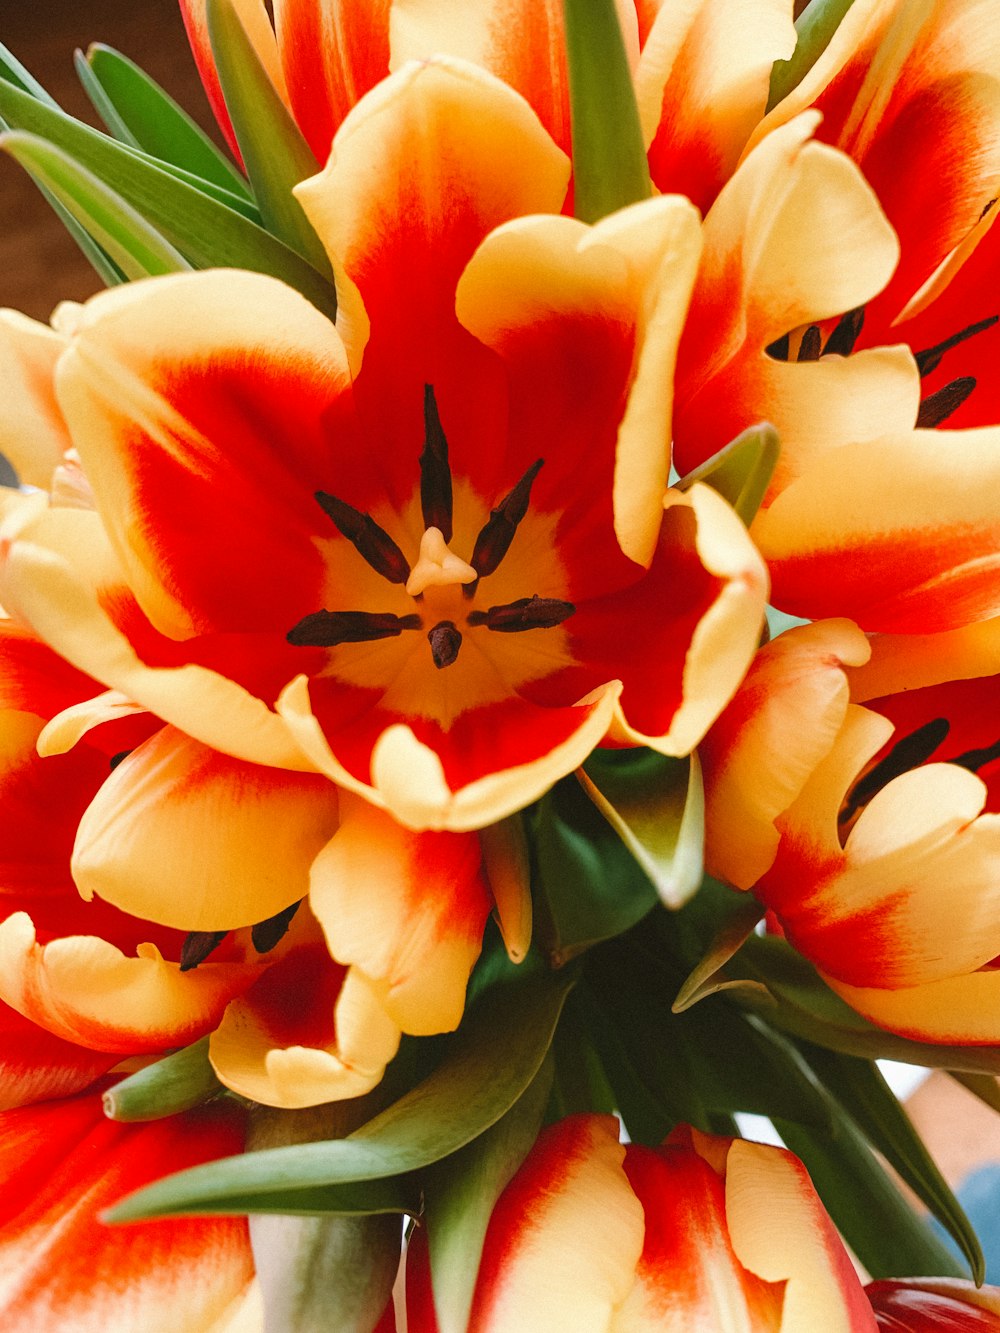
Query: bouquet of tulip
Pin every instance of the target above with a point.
(498, 672)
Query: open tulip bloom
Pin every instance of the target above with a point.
(499, 662)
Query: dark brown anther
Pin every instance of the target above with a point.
(974, 760)
(526, 613)
(198, 945)
(909, 752)
(445, 640)
(266, 934)
(930, 358)
(116, 759)
(938, 407)
(497, 532)
(326, 629)
(811, 344)
(779, 348)
(841, 341)
(372, 542)
(435, 474)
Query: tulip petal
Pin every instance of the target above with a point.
(934, 1305)
(191, 838)
(62, 1165)
(959, 1010)
(33, 435)
(406, 909)
(36, 1066)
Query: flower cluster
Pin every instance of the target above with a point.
(513, 557)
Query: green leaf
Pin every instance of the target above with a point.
(12, 71)
(138, 111)
(460, 1192)
(274, 152)
(609, 158)
(864, 1094)
(207, 232)
(173, 1084)
(590, 886)
(815, 26)
(656, 805)
(138, 249)
(867, 1207)
(706, 978)
(741, 470)
(490, 1061)
(322, 1273)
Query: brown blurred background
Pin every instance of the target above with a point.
(39, 264)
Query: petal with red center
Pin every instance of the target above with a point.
(781, 1231)
(87, 991)
(959, 1011)
(62, 577)
(565, 1236)
(309, 1031)
(899, 534)
(501, 757)
(34, 679)
(784, 719)
(36, 1066)
(406, 909)
(191, 838)
(253, 16)
(934, 1305)
(63, 1164)
(206, 408)
(457, 153)
(332, 52)
(702, 85)
(33, 435)
(688, 1276)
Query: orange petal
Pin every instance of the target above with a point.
(188, 837)
(63, 1164)
(35, 1066)
(960, 1010)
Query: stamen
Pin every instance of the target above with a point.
(326, 629)
(779, 349)
(811, 344)
(526, 613)
(841, 341)
(372, 542)
(909, 752)
(937, 407)
(435, 473)
(198, 945)
(266, 934)
(116, 759)
(930, 358)
(445, 640)
(974, 760)
(497, 533)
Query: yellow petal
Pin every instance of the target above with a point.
(33, 434)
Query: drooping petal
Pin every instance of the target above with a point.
(332, 52)
(35, 1066)
(33, 435)
(62, 1165)
(960, 1010)
(406, 909)
(933, 1305)
(309, 1031)
(188, 837)
(784, 719)
(702, 86)
(565, 1236)
(911, 549)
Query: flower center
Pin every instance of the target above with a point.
(433, 581)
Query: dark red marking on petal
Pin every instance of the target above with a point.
(372, 542)
(930, 358)
(445, 640)
(498, 531)
(266, 934)
(909, 752)
(526, 613)
(841, 341)
(938, 407)
(811, 345)
(326, 629)
(198, 945)
(435, 472)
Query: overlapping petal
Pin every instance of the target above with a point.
(33, 435)
(36, 1066)
(933, 1305)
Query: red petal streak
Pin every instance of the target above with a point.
(36, 1066)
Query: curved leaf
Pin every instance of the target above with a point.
(173, 1084)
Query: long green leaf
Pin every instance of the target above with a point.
(274, 152)
(815, 26)
(138, 111)
(864, 1094)
(136, 248)
(12, 71)
(206, 232)
(609, 158)
(460, 1193)
(868, 1208)
(492, 1059)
